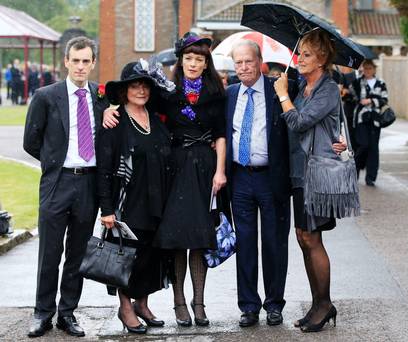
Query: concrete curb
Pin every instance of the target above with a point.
(17, 237)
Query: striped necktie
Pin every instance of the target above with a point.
(85, 138)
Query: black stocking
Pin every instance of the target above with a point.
(317, 266)
(198, 271)
(180, 269)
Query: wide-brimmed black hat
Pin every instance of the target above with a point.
(131, 72)
(190, 38)
(140, 70)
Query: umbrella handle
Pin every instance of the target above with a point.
(293, 53)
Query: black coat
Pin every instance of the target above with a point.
(46, 132)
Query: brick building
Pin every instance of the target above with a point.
(130, 29)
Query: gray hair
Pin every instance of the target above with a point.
(79, 43)
(247, 42)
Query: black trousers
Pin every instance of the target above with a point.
(71, 208)
(367, 155)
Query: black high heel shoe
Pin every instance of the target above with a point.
(182, 322)
(150, 322)
(331, 314)
(140, 329)
(302, 321)
(201, 322)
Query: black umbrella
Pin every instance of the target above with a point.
(367, 52)
(166, 57)
(288, 25)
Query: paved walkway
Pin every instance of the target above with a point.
(369, 278)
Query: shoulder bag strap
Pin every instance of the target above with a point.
(343, 115)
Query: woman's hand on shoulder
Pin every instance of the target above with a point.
(110, 116)
(219, 181)
(108, 221)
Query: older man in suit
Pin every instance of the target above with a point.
(62, 122)
(258, 175)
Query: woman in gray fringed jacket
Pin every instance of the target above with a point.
(315, 111)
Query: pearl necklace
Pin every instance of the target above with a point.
(147, 127)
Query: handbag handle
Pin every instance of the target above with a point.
(343, 116)
(103, 237)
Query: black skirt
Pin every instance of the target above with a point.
(187, 222)
(301, 217)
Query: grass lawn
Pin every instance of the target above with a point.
(19, 193)
(13, 115)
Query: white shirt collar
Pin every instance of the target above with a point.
(72, 87)
(258, 86)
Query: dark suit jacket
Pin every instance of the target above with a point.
(277, 135)
(46, 131)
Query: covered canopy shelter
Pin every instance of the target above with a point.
(18, 30)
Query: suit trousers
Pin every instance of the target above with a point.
(252, 190)
(72, 208)
(367, 154)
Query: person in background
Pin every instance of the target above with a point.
(33, 79)
(8, 78)
(371, 94)
(16, 82)
(47, 76)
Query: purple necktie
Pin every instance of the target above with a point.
(85, 138)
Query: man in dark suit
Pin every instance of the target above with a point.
(258, 176)
(62, 122)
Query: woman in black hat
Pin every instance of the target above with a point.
(133, 172)
(195, 117)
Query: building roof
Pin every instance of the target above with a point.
(374, 23)
(15, 25)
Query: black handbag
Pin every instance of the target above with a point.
(331, 185)
(4, 222)
(386, 116)
(107, 262)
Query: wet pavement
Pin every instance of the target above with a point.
(369, 277)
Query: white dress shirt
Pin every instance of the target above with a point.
(73, 159)
(259, 142)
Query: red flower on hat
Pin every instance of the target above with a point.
(192, 98)
(101, 91)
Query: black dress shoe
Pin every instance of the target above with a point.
(70, 326)
(274, 317)
(39, 327)
(248, 319)
(370, 183)
(150, 322)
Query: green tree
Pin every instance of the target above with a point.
(402, 7)
(55, 13)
